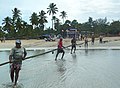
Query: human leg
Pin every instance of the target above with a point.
(63, 52)
(57, 54)
(16, 76)
(74, 49)
(18, 68)
(12, 72)
(71, 49)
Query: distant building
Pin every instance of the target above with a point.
(72, 33)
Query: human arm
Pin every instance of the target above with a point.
(11, 55)
(25, 54)
(10, 58)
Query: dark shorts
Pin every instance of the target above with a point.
(73, 46)
(14, 66)
(60, 50)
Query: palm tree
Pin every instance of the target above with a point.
(34, 19)
(7, 22)
(54, 20)
(19, 26)
(42, 19)
(16, 18)
(1, 32)
(16, 14)
(57, 25)
(52, 9)
(24, 31)
(63, 15)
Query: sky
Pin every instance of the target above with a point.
(80, 10)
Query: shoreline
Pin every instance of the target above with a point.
(41, 44)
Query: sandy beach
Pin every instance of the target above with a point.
(34, 43)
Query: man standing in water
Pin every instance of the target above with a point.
(86, 42)
(73, 41)
(93, 39)
(17, 54)
(101, 38)
(60, 49)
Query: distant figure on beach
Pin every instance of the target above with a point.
(100, 38)
(60, 49)
(86, 41)
(73, 42)
(17, 54)
(4, 39)
(93, 39)
(81, 37)
(1, 39)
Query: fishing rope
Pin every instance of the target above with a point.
(37, 54)
(42, 53)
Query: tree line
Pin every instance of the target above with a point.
(16, 27)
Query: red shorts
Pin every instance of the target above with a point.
(15, 66)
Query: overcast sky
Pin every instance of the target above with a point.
(80, 10)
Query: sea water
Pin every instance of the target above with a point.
(84, 69)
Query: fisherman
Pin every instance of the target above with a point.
(60, 49)
(93, 39)
(73, 41)
(100, 39)
(86, 42)
(17, 54)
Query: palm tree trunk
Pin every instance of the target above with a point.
(52, 21)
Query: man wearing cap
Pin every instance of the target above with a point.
(17, 54)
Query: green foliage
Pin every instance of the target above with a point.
(16, 27)
(63, 15)
(114, 28)
(42, 19)
(34, 19)
(1, 32)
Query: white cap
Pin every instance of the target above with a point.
(18, 41)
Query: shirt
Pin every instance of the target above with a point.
(18, 53)
(60, 44)
(73, 41)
